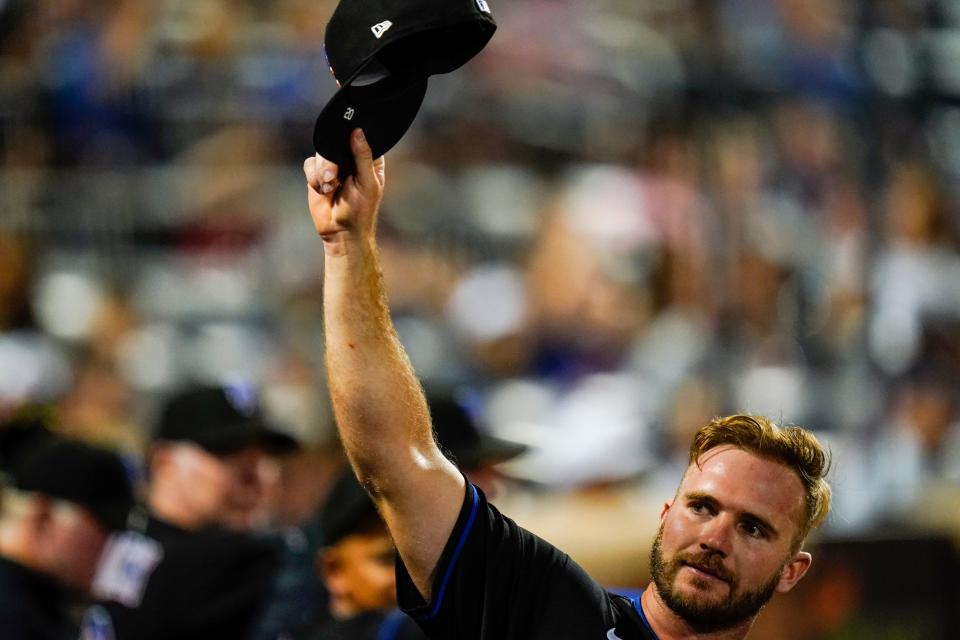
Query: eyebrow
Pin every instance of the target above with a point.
(700, 496)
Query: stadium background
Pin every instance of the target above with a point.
(620, 220)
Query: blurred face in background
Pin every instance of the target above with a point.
(728, 540)
(359, 572)
(64, 540)
(204, 489)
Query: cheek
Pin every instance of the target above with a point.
(379, 583)
(380, 576)
(80, 545)
(87, 536)
(210, 489)
(678, 533)
(757, 565)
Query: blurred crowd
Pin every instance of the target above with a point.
(622, 219)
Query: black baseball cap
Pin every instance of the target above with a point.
(348, 509)
(28, 426)
(221, 419)
(457, 434)
(91, 477)
(381, 53)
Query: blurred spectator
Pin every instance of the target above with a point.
(919, 445)
(62, 500)
(916, 274)
(32, 366)
(356, 557)
(356, 563)
(194, 543)
(298, 596)
(476, 453)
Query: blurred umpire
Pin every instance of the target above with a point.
(191, 567)
(60, 501)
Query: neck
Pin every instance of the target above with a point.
(670, 626)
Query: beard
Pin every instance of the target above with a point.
(706, 616)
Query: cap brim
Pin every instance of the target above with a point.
(490, 450)
(384, 110)
(345, 510)
(233, 439)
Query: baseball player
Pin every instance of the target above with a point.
(730, 537)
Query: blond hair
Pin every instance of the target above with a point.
(793, 447)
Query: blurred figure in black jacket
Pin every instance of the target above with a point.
(60, 501)
(189, 566)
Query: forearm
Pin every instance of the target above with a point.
(380, 409)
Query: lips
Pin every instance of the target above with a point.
(712, 572)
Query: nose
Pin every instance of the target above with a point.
(717, 535)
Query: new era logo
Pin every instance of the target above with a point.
(483, 6)
(348, 114)
(380, 28)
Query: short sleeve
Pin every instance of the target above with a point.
(497, 580)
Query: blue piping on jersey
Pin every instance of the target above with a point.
(643, 616)
(453, 558)
(391, 625)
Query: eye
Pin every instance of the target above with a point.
(754, 530)
(699, 507)
(386, 558)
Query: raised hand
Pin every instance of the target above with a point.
(345, 212)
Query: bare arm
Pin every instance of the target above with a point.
(377, 400)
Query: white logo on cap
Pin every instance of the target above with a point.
(483, 6)
(242, 396)
(348, 114)
(381, 27)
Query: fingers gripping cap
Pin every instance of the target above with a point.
(381, 53)
(384, 111)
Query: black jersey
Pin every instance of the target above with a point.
(498, 581)
(371, 625)
(169, 583)
(32, 605)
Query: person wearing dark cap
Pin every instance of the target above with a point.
(206, 458)
(62, 501)
(356, 563)
(191, 567)
(475, 452)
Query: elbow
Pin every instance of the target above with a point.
(382, 475)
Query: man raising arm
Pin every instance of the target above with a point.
(730, 538)
(380, 408)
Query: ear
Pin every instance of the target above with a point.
(666, 507)
(794, 570)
